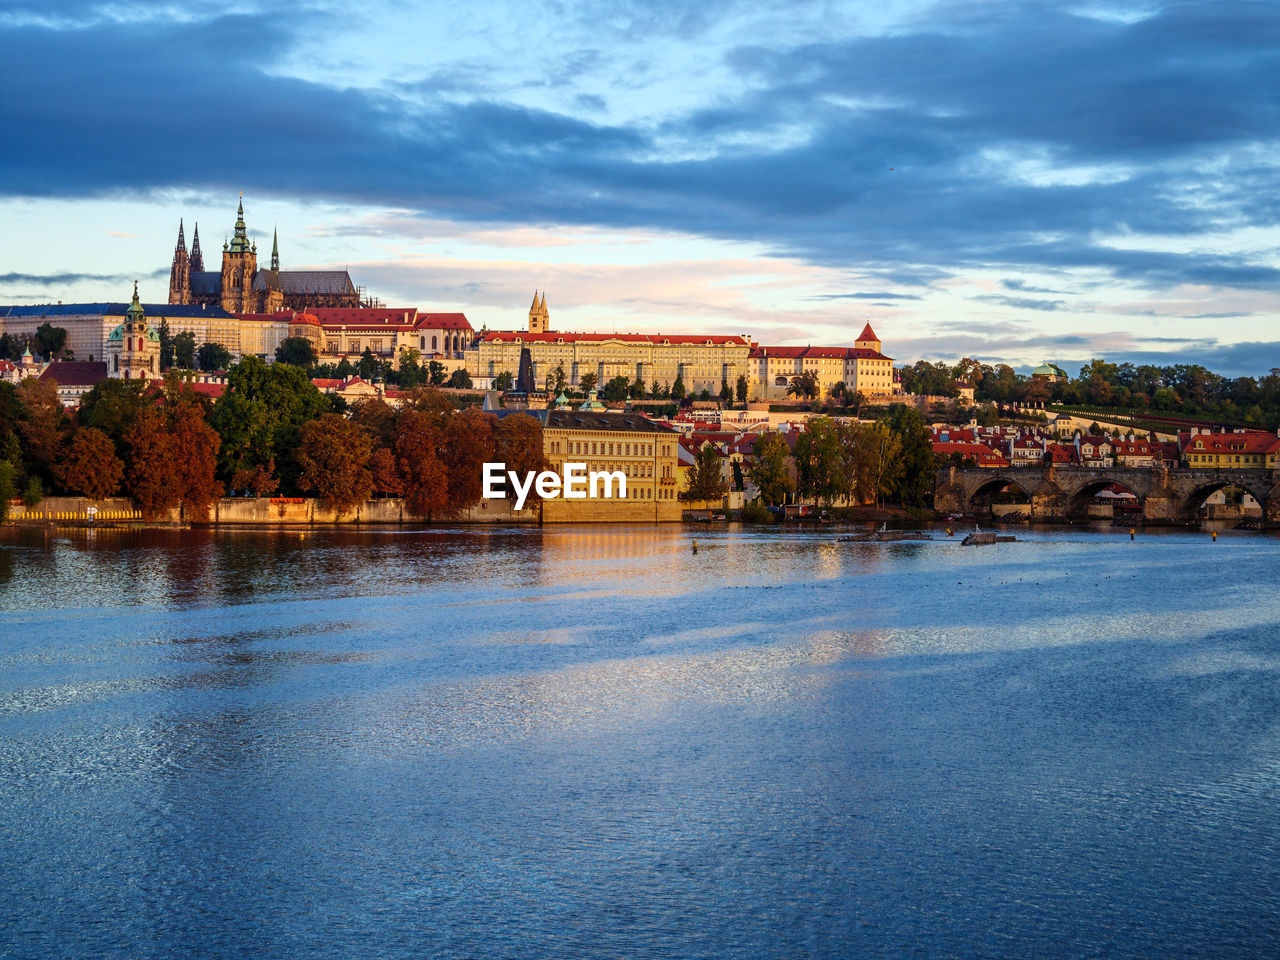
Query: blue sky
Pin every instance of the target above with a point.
(1011, 181)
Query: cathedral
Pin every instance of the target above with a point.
(240, 287)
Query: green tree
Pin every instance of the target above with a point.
(298, 351)
(367, 367)
(435, 372)
(166, 344)
(34, 493)
(617, 389)
(184, 350)
(678, 391)
(112, 406)
(637, 389)
(48, 340)
(873, 463)
(560, 379)
(820, 461)
(804, 385)
(768, 468)
(706, 476)
(726, 392)
(460, 380)
(260, 415)
(503, 381)
(741, 388)
(587, 383)
(914, 486)
(213, 356)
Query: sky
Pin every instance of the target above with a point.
(1014, 182)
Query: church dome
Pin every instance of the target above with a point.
(118, 334)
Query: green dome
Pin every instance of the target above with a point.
(118, 334)
(1048, 370)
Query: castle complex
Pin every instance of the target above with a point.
(240, 287)
(251, 312)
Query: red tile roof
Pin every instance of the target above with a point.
(1230, 443)
(443, 321)
(512, 336)
(868, 334)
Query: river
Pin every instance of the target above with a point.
(593, 742)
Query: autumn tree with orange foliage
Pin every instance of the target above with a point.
(91, 466)
(419, 436)
(172, 457)
(334, 461)
(518, 442)
(386, 476)
(151, 473)
(196, 444)
(468, 446)
(42, 426)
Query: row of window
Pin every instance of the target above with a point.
(589, 448)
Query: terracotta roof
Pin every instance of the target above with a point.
(443, 321)
(868, 334)
(982, 456)
(1230, 443)
(512, 336)
(821, 353)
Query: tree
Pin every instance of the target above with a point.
(7, 488)
(503, 381)
(368, 367)
(435, 372)
(418, 441)
(726, 392)
(298, 351)
(587, 383)
(872, 453)
(334, 461)
(677, 389)
(166, 344)
(740, 388)
(560, 378)
(468, 445)
(213, 356)
(184, 350)
(151, 475)
(197, 445)
(91, 466)
(48, 340)
(34, 493)
(259, 416)
(42, 427)
(821, 469)
(518, 444)
(637, 389)
(768, 468)
(617, 389)
(112, 406)
(804, 385)
(914, 485)
(706, 477)
(386, 477)
(460, 380)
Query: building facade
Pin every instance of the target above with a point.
(644, 451)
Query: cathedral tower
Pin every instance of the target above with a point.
(180, 271)
(239, 266)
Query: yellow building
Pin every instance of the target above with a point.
(644, 451)
(1249, 450)
(861, 367)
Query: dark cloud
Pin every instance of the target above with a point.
(62, 279)
(1022, 303)
(917, 154)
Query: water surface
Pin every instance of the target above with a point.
(591, 742)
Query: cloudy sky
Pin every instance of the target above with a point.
(1011, 181)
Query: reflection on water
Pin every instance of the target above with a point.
(592, 742)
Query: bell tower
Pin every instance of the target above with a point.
(239, 267)
(539, 318)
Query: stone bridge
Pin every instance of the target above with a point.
(1167, 494)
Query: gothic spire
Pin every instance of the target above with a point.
(182, 241)
(275, 251)
(542, 307)
(533, 308)
(240, 241)
(197, 258)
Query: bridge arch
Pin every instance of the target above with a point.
(987, 488)
(1081, 501)
(1205, 488)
